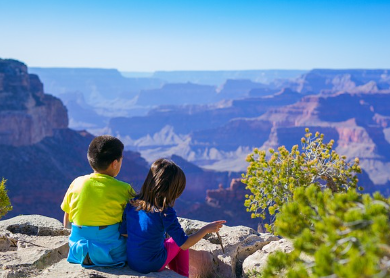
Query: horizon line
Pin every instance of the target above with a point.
(207, 70)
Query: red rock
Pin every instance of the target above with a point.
(27, 115)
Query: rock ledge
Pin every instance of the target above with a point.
(37, 246)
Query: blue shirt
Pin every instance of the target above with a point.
(146, 233)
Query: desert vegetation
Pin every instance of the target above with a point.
(314, 198)
(5, 203)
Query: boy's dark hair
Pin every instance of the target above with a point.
(164, 183)
(103, 150)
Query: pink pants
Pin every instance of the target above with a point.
(178, 260)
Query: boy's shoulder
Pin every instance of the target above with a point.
(122, 183)
(105, 180)
(101, 178)
(81, 179)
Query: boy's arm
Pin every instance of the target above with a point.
(65, 207)
(66, 221)
(123, 225)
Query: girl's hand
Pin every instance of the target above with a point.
(209, 228)
(215, 226)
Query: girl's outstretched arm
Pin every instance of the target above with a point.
(209, 228)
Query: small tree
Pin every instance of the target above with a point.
(272, 181)
(345, 235)
(5, 203)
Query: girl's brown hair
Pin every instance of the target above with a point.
(164, 183)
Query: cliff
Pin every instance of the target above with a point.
(27, 115)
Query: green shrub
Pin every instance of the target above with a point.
(5, 203)
(272, 181)
(336, 231)
(345, 234)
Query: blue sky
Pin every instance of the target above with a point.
(197, 35)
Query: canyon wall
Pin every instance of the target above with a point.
(27, 115)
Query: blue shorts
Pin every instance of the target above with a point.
(104, 245)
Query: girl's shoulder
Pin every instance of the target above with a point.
(169, 212)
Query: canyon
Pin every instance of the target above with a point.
(349, 106)
(207, 126)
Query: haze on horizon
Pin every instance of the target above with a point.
(146, 36)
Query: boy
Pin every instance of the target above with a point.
(94, 205)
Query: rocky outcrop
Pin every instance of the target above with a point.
(258, 260)
(37, 246)
(27, 115)
(207, 259)
(29, 244)
(235, 193)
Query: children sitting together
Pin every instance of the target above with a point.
(111, 224)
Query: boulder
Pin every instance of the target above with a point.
(34, 225)
(31, 243)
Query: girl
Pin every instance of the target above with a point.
(150, 215)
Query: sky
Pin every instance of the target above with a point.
(146, 36)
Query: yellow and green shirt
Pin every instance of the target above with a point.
(96, 200)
